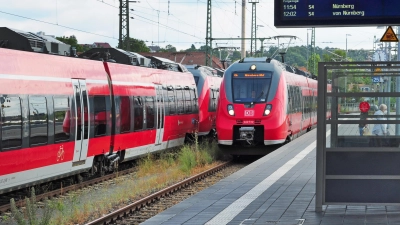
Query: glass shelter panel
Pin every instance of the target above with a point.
(358, 138)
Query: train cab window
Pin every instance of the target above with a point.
(125, 114)
(188, 102)
(100, 116)
(62, 122)
(38, 120)
(150, 114)
(11, 120)
(138, 113)
(179, 102)
(251, 87)
(171, 102)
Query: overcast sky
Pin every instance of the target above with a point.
(179, 23)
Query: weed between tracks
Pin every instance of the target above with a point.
(152, 175)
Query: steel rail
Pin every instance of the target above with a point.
(112, 217)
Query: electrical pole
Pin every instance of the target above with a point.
(243, 51)
(253, 26)
(312, 64)
(124, 38)
(124, 24)
(209, 36)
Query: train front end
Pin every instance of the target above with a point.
(252, 105)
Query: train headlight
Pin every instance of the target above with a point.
(267, 110)
(231, 111)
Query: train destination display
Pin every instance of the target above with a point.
(317, 13)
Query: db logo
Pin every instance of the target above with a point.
(248, 112)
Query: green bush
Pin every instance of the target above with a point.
(32, 214)
(187, 159)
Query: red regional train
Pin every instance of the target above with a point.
(208, 83)
(63, 116)
(263, 102)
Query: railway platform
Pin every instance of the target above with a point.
(276, 189)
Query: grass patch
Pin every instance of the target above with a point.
(154, 173)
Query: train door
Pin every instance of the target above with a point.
(160, 114)
(80, 119)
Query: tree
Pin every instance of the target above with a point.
(170, 48)
(191, 49)
(236, 55)
(71, 40)
(135, 45)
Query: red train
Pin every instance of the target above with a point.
(263, 102)
(208, 83)
(62, 116)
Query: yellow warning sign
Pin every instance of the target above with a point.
(389, 36)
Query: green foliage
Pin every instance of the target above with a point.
(191, 49)
(71, 40)
(168, 48)
(18, 216)
(135, 45)
(236, 55)
(32, 214)
(146, 163)
(187, 159)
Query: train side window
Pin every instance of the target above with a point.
(165, 101)
(150, 115)
(11, 120)
(138, 113)
(38, 120)
(171, 102)
(293, 100)
(188, 102)
(195, 101)
(289, 100)
(212, 105)
(179, 101)
(298, 99)
(62, 122)
(100, 116)
(125, 112)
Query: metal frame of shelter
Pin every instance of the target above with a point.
(353, 169)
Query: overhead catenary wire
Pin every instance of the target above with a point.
(11, 14)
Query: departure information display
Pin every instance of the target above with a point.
(321, 13)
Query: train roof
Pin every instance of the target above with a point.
(209, 71)
(28, 41)
(40, 43)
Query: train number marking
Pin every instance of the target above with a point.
(248, 122)
(60, 153)
(248, 112)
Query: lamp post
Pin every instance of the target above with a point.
(345, 78)
(346, 44)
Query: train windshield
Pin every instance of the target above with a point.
(251, 87)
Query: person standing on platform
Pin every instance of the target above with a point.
(380, 129)
(362, 126)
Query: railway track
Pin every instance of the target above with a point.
(63, 190)
(155, 203)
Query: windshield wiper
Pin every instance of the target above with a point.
(261, 94)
